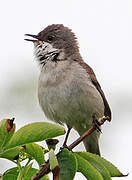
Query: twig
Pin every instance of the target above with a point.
(45, 169)
(81, 138)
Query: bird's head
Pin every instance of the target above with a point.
(54, 43)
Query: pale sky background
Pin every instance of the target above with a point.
(104, 31)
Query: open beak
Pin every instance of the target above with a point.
(32, 40)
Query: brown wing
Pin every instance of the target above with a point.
(107, 111)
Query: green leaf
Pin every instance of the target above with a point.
(26, 170)
(94, 162)
(7, 129)
(36, 152)
(11, 174)
(11, 154)
(52, 160)
(68, 164)
(87, 169)
(114, 172)
(35, 132)
(33, 171)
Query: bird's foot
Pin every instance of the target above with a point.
(96, 123)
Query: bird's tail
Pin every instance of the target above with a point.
(91, 143)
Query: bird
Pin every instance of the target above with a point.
(68, 90)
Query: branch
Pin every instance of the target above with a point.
(95, 126)
(45, 169)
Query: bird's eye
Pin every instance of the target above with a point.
(50, 38)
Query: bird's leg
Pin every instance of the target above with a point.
(67, 134)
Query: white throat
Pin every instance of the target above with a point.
(46, 52)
